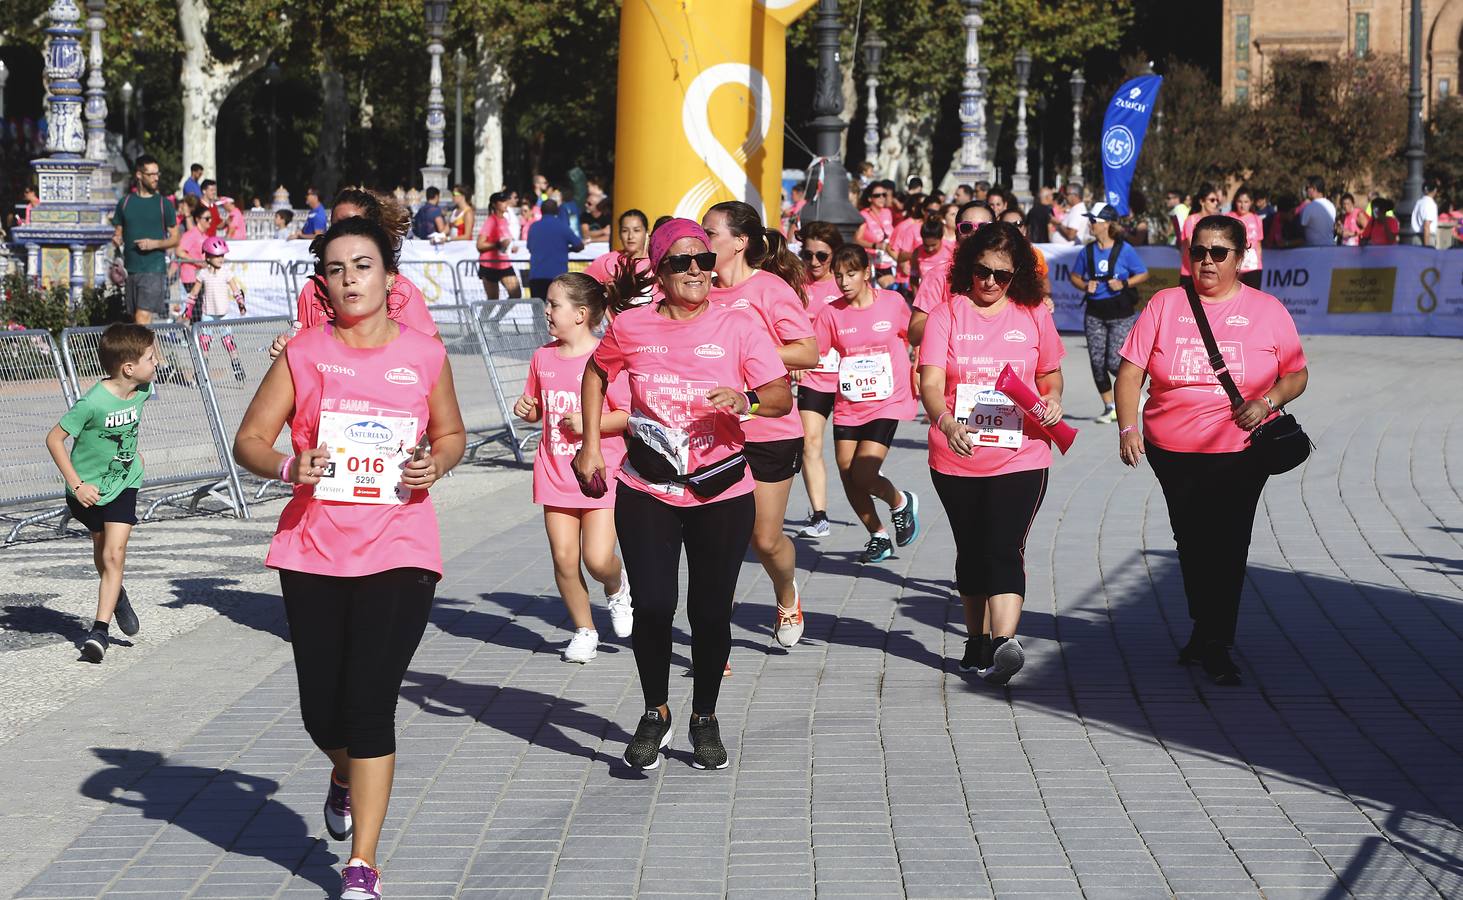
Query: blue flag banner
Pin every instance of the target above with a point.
(1122, 136)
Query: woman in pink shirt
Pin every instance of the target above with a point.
(1207, 196)
(988, 463)
(878, 228)
(190, 250)
(634, 238)
(816, 386)
(1251, 267)
(760, 280)
(869, 328)
(357, 547)
(1196, 443)
(493, 241)
(696, 373)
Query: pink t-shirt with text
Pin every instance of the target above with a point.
(494, 230)
(1251, 259)
(191, 246)
(1187, 410)
(972, 349)
(353, 539)
(768, 300)
(404, 304)
(554, 381)
(825, 377)
(880, 329)
(671, 365)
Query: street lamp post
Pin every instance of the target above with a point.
(4, 77)
(831, 201)
(460, 61)
(1021, 180)
(973, 166)
(435, 172)
(1412, 187)
(873, 57)
(1040, 141)
(1078, 83)
(271, 81)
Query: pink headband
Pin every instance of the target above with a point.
(672, 231)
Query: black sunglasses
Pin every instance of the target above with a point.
(681, 262)
(810, 255)
(1000, 276)
(1197, 252)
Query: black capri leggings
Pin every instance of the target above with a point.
(715, 536)
(1104, 341)
(353, 639)
(990, 517)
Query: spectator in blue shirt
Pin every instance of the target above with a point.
(195, 175)
(429, 219)
(1106, 271)
(550, 241)
(315, 219)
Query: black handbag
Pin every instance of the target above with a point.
(1280, 444)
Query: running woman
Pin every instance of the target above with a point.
(988, 464)
(868, 327)
(579, 526)
(634, 238)
(685, 481)
(493, 241)
(757, 276)
(357, 547)
(817, 385)
(878, 228)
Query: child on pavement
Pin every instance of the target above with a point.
(104, 470)
(216, 286)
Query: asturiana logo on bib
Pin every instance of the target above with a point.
(1015, 336)
(368, 431)
(709, 351)
(333, 369)
(883, 325)
(1236, 321)
(401, 375)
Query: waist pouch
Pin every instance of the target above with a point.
(706, 482)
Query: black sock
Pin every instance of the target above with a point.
(987, 650)
(996, 643)
(820, 515)
(101, 626)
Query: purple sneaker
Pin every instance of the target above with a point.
(359, 881)
(338, 810)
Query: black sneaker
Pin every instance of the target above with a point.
(707, 751)
(238, 368)
(878, 549)
(652, 735)
(978, 652)
(906, 520)
(1218, 666)
(95, 646)
(1006, 661)
(124, 615)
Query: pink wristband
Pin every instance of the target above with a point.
(1123, 431)
(941, 419)
(284, 468)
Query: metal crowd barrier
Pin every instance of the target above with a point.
(268, 289)
(181, 440)
(231, 387)
(482, 409)
(470, 286)
(509, 331)
(34, 395)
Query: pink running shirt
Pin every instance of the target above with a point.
(878, 227)
(671, 366)
(191, 246)
(494, 230)
(972, 349)
(405, 304)
(1254, 234)
(353, 539)
(878, 332)
(777, 308)
(925, 264)
(934, 288)
(1187, 411)
(554, 381)
(825, 376)
(1188, 235)
(905, 239)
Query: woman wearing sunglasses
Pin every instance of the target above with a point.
(1207, 198)
(988, 464)
(758, 278)
(817, 385)
(878, 227)
(1194, 440)
(684, 482)
(934, 284)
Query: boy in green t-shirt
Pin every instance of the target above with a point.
(104, 470)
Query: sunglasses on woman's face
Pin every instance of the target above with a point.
(1219, 254)
(967, 227)
(999, 276)
(681, 262)
(877, 194)
(819, 255)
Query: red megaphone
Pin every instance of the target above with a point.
(1024, 397)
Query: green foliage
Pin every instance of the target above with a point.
(26, 305)
(1445, 151)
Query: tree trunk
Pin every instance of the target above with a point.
(491, 89)
(206, 82)
(906, 147)
(334, 113)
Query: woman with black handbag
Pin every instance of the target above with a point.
(1197, 346)
(1107, 271)
(694, 372)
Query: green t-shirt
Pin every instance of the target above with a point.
(104, 449)
(144, 217)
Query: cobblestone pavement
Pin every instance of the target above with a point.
(863, 762)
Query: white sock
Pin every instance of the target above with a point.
(903, 502)
(881, 533)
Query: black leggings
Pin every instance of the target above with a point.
(990, 517)
(715, 536)
(1211, 505)
(1105, 339)
(353, 639)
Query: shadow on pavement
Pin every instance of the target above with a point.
(261, 612)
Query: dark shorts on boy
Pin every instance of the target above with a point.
(122, 509)
(880, 431)
(147, 291)
(812, 400)
(774, 461)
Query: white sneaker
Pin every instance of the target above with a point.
(817, 526)
(583, 647)
(622, 612)
(1108, 416)
(788, 623)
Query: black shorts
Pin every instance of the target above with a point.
(122, 509)
(774, 461)
(812, 400)
(493, 273)
(880, 431)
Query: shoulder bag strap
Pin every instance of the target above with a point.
(1216, 359)
(1112, 258)
(1091, 261)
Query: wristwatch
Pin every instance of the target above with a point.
(752, 403)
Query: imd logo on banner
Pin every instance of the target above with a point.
(1362, 290)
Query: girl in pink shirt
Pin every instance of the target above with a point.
(988, 463)
(357, 547)
(1251, 268)
(493, 241)
(816, 386)
(760, 280)
(695, 373)
(634, 234)
(869, 328)
(578, 526)
(878, 228)
(1207, 197)
(1197, 444)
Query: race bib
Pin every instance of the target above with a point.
(366, 456)
(866, 378)
(992, 419)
